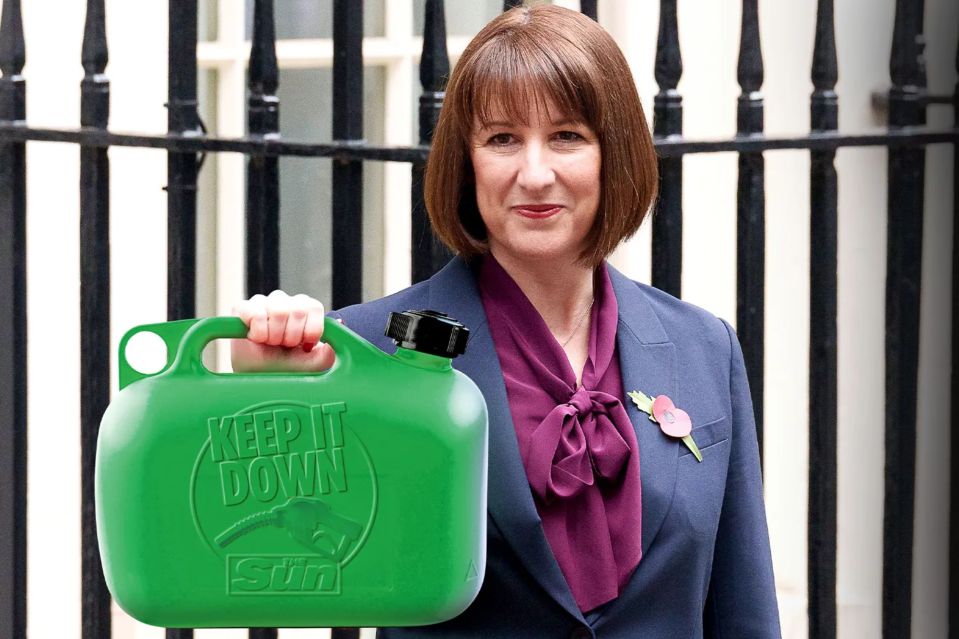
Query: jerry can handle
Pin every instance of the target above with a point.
(345, 342)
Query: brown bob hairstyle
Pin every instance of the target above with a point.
(527, 58)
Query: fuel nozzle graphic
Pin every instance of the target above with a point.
(310, 522)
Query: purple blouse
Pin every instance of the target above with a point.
(578, 445)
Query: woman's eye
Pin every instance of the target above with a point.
(501, 139)
(569, 136)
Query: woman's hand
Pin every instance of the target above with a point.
(284, 335)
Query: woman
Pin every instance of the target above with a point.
(602, 523)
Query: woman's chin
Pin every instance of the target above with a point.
(543, 252)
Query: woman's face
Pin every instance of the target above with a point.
(537, 185)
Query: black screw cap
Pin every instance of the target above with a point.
(428, 332)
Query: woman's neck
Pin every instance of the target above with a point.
(560, 291)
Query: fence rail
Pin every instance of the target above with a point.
(666, 147)
(186, 141)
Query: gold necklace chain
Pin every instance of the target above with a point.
(579, 323)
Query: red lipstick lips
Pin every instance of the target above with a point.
(537, 211)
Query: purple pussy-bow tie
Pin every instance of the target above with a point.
(576, 443)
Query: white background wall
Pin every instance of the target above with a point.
(709, 36)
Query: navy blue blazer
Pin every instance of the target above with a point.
(706, 569)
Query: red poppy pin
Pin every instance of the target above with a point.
(672, 421)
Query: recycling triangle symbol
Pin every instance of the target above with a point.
(471, 571)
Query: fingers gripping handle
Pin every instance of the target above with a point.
(189, 355)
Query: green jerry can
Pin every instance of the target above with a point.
(350, 497)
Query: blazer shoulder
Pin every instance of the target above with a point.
(369, 318)
(687, 325)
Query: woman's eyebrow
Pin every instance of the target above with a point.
(504, 123)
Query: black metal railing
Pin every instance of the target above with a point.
(262, 170)
(186, 143)
(434, 68)
(954, 420)
(823, 381)
(13, 328)
(751, 211)
(903, 282)
(347, 210)
(182, 172)
(668, 125)
(94, 308)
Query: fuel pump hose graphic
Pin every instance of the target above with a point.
(310, 522)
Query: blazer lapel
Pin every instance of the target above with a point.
(453, 291)
(647, 361)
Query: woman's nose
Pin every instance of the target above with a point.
(536, 170)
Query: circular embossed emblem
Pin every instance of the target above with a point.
(285, 492)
